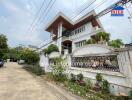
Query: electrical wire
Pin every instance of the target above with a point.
(84, 9)
(44, 12)
(61, 36)
(98, 5)
(103, 13)
(37, 14)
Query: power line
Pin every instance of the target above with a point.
(98, 5)
(84, 9)
(80, 12)
(107, 10)
(44, 12)
(47, 13)
(130, 14)
(61, 36)
(49, 10)
(37, 14)
(48, 43)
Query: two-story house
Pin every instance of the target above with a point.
(71, 34)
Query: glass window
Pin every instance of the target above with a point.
(80, 44)
(78, 30)
(75, 31)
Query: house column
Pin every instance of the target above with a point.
(51, 35)
(59, 35)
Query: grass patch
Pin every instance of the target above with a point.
(36, 69)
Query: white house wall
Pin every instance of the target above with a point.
(85, 35)
(91, 49)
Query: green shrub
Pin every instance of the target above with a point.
(130, 94)
(58, 70)
(29, 56)
(116, 43)
(60, 77)
(36, 69)
(80, 77)
(76, 89)
(73, 77)
(99, 77)
(105, 86)
(95, 98)
(91, 41)
(88, 85)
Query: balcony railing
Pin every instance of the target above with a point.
(70, 37)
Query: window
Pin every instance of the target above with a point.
(80, 44)
(79, 30)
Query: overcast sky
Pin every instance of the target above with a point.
(16, 17)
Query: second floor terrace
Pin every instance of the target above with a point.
(82, 31)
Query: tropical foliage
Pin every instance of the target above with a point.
(130, 94)
(116, 43)
(58, 70)
(29, 56)
(91, 41)
(36, 69)
(3, 45)
(14, 53)
(103, 36)
(51, 48)
(105, 86)
(99, 77)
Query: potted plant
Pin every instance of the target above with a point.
(73, 78)
(99, 79)
(80, 79)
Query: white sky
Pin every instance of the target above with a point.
(17, 15)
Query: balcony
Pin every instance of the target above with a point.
(70, 37)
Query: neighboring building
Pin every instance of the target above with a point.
(128, 45)
(74, 34)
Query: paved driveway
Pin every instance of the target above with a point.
(18, 84)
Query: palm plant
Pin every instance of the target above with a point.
(91, 41)
(102, 36)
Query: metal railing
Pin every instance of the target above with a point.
(107, 63)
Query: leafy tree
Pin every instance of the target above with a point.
(29, 56)
(6, 56)
(51, 48)
(46, 51)
(14, 53)
(3, 45)
(116, 43)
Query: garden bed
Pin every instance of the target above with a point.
(87, 91)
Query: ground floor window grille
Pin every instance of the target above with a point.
(108, 63)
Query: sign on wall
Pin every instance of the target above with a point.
(117, 11)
